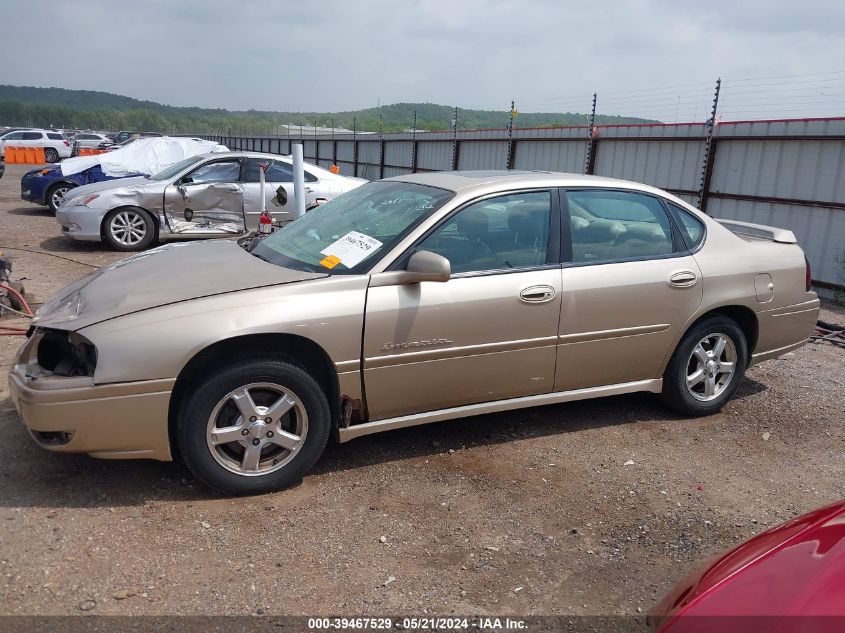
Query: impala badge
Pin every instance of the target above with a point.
(412, 344)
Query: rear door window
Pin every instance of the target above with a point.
(277, 172)
(610, 225)
(32, 136)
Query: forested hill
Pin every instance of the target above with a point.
(86, 109)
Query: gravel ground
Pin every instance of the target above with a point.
(584, 508)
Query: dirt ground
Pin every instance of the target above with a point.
(594, 507)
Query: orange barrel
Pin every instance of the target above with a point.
(39, 156)
(13, 155)
(29, 155)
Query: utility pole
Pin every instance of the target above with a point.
(709, 151)
(589, 160)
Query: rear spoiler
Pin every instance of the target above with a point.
(783, 236)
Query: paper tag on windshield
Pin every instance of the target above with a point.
(352, 248)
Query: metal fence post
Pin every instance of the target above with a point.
(592, 142)
(414, 145)
(509, 161)
(355, 146)
(709, 152)
(381, 147)
(455, 149)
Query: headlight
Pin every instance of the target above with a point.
(66, 353)
(83, 201)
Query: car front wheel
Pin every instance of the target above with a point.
(706, 368)
(128, 229)
(255, 426)
(56, 194)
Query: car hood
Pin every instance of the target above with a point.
(96, 187)
(806, 557)
(164, 275)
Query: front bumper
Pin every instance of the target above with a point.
(80, 222)
(31, 192)
(72, 415)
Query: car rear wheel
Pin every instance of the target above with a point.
(706, 368)
(56, 194)
(255, 426)
(51, 155)
(128, 229)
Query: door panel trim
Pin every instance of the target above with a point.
(400, 422)
(599, 335)
(442, 353)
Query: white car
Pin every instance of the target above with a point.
(55, 145)
(90, 140)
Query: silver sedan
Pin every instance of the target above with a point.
(205, 196)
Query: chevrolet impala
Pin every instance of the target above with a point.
(406, 301)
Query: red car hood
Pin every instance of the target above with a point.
(795, 569)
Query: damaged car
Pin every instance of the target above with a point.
(205, 196)
(48, 185)
(406, 301)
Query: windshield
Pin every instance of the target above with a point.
(344, 235)
(169, 172)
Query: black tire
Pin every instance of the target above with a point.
(195, 413)
(134, 217)
(51, 155)
(51, 197)
(677, 395)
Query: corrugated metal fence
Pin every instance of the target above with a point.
(788, 173)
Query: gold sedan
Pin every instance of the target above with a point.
(409, 300)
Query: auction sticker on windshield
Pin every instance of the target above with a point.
(350, 250)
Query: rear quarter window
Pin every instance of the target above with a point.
(691, 227)
(55, 137)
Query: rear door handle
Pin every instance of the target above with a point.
(537, 294)
(683, 279)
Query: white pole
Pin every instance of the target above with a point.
(298, 181)
(261, 181)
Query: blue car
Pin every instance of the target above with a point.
(46, 185)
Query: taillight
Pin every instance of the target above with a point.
(808, 280)
(67, 143)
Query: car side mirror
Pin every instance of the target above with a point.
(428, 266)
(422, 266)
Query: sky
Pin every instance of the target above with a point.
(651, 58)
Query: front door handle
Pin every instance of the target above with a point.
(537, 294)
(683, 279)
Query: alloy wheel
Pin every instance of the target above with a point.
(257, 429)
(57, 196)
(711, 367)
(128, 228)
